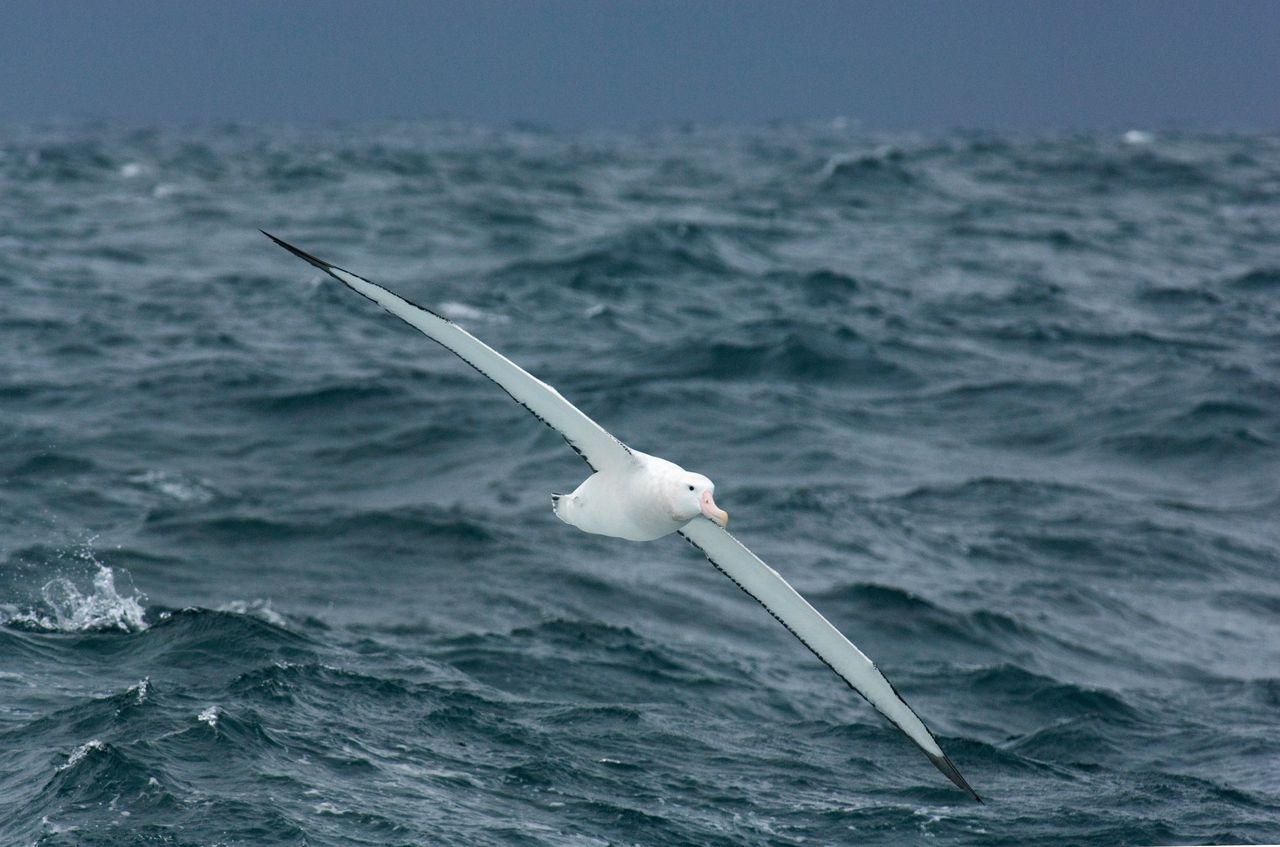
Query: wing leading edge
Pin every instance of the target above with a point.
(770, 590)
(596, 445)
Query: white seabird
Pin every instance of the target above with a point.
(639, 497)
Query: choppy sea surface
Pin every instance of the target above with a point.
(277, 570)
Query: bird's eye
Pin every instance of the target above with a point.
(690, 487)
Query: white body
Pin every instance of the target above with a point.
(639, 497)
(624, 502)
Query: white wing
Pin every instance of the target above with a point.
(590, 440)
(805, 622)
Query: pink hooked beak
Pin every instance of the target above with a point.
(712, 511)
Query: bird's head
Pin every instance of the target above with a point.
(691, 494)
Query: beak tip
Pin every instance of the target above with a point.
(714, 513)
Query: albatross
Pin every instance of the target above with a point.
(639, 497)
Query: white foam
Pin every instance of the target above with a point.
(132, 170)
(68, 609)
(1137, 136)
(171, 485)
(260, 609)
(209, 716)
(78, 754)
(882, 153)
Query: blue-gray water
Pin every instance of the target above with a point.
(276, 569)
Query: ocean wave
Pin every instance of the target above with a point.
(174, 486)
(617, 652)
(1149, 446)
(1107, 169)
(1021, 696)
(65, 161)
(437, 524)
(1256, 280)
(1063, 334)
(890, 612)
(194, 630)
(806, 354)
(307, 402)
(1177, 297)
(59, 465)
(104, 716)
(287, 680)
(822, 288)
(642, 253)
(1003, 405)
(97, 771)
(881, 170)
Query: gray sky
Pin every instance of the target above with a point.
(585, 64)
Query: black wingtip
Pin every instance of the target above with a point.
(301, 254)
(944, 764)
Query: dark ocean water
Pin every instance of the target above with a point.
(276, 569)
